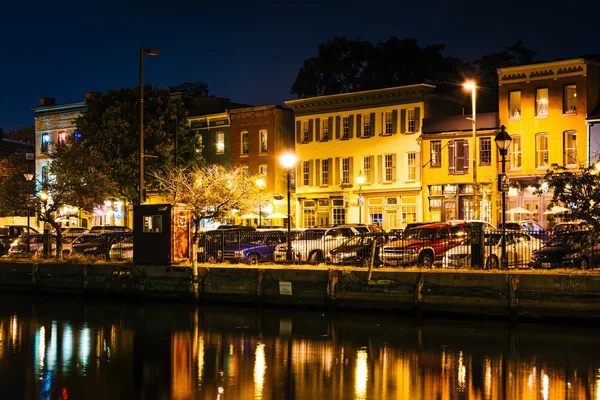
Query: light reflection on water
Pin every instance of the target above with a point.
(55, 350)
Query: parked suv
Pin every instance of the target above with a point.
(254, 247)
(358, 250)
(9, 233)
(577, 249)
(315, 243)
(424, 244)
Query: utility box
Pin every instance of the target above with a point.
(161, 234)
(477, 245)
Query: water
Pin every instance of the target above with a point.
(66, 348)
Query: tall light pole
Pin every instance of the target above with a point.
(360, 179)
(143, 52)
(470, 85)
(260, 182)
(288, 161)
(28, 178)
(503, 140)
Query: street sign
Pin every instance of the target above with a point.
(503, 183)
(361, 201)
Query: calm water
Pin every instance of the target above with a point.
(58, 348)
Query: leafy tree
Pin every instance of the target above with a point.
(197, 88)
(14, 188)
(110, 128)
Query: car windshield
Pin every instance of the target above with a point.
(566, 239)
(511, 225)
(492, 240)
(422, 234)
(354, 241)
(362, 229)
(255, 238)
(311, 235)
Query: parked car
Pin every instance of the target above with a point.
(73, 231)
(122, 250)
(254, 248)
(9, 233)
(578, 249)
(18, 248)
(315, 243)
(519, 248)
(571, 226)
(212, 244)
(98, 229)
(358, 250)
(531, 228)
(98, 245)
(424, 244)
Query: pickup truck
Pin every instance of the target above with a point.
(254, 247)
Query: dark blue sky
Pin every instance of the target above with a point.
(248, 51)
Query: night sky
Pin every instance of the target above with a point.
(248, 51)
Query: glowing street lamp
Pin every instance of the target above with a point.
(28, 178)
(288, 161)
(503, 140)
(360, 180)
(472, 86)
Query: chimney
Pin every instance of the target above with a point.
(47, 101)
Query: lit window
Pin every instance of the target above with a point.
(515, 152)
(367, 169)
(220, 143)
(388, 167)
(77, 135)
(541, 150)
(262, 170)
(345, 127)
(306, 173)
(541, 102)
(410, 118)
(245, 145)
(61, 137)
(514, 104)
(325, 172)
(436, 153)
(245, 171)
(485, 151)
(305, 133)
(570, 155)
(435, 190)
(45, 142)
(411, 166)
(345, 171)
(44, 174)
(325, 129)
(388, 122)
(263, 140)
(570, 99)
(366, 122)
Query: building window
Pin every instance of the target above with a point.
(388, 167)
(570, 99)
(262, 170)
(245, 146)
(367, 169)
(366, 122)
(410, 119)
(45, 143)
(305, 132)
(306, 173)
(376, 215)
(325, 129)
(411, 166)
(345, 171)
(408, 209)
(61, 137)
(515, 153)
(325, 172)
(436, 153)
(514, 104)
(345, 127)
(485, 151)
(458, 157)
(435, 190)
(570, 155)
(541, 150)
(541, 102)
(309, 218)
(263, 140)
(388, 122)
(339, 216)
(44, 174)
(220, 143)
(246, 171)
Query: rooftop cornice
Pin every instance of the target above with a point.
(74, 106)
(542, 71)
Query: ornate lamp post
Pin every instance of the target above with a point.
(143, 52)
(472, 86)
(288, 161)
(28, 178)
(503, 140)
(260, 182)
(360, 179)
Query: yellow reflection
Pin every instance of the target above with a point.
(488, 379)
(41, 347)
(462, 373)
(15, 332)
(2, 341)
(545, 386)
(181, 366)
(260, 366)
(598, 384)
(200, 360)
(361, 375)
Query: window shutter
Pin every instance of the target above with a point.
(417, 119)
(402, 121)
(394, 122)
(372, 164)
(330, 175)
(418, 166)
(330, 134)
(310, 129)
(318, 129)
(298, 132)
(319, 173)
(393, 168)
(311, 172)
(299, 174)
(451, 156)
(337, 126)
(351, 162)
(350, 126)
(338, 178)
(358, 125)
(466, 149)
(379, 169)
(372, 124)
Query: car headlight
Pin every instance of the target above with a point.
(238, 254)
(345, 255)
(572, 256)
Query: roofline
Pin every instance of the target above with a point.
(541, 64)
(258, 108)
(57, 107)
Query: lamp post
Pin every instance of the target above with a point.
(503, 140)
(288, 161)
(470, 85)
(360, 179)
(143, 52)
(28, 178)
(260, 182)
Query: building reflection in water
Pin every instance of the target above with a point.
(258, 359)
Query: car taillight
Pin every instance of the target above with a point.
(128, 248)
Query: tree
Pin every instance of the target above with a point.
(196, 88)
(111, 129)
(15, 190)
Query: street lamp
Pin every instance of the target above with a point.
(143, 52)
(472, 86)
(360, 179)
(28, 178)
(503, 140)
(260, 182)
(288, 161)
